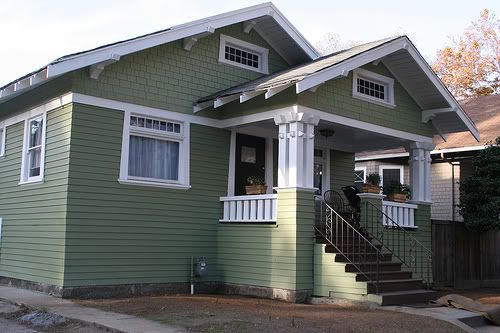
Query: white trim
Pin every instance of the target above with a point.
(3, 131)
(391, 166)
(25, 178)
(269, 159)
(385, 81)
(361, 168)
(262, 52)
(433, 152)
(248, 197)
(237, 121)
(183, 181)
(1, 220)
(232, 164)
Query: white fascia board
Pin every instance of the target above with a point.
(276, 90)
(224, 100)
(246, 96)
(343, 68)
(179, 32)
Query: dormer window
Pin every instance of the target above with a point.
(372, 87)
(238, 53)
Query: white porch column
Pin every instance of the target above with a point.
(420, 171)
(296, 149)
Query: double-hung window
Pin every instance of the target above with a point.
(32, 164)
(155, 152)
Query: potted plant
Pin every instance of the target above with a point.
(397, 192)
(255, 185)
(372, 184)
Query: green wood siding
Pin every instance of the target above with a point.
(335, 96)
(125, 234)
(274, 256)
(33, 231)
(341, 170)
(169, 77)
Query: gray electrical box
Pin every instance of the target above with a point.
(201, 267)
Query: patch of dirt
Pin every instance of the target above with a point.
(235, 314)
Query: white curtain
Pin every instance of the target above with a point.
(153, 158)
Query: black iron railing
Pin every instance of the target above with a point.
(349, 242)
(398, 241)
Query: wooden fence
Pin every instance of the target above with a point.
(464, 259)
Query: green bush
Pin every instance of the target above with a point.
(480, 193)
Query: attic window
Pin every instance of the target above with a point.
(238, 53)
(372, 87)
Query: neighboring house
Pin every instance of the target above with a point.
(121, 163)
(451, 159)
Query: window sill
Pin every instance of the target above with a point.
(374, 101)
(30, 182)
(154, 184)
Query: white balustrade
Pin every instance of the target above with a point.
(401, 213)
(250, 208)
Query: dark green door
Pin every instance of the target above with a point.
(250, 160)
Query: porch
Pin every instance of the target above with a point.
(268, 239)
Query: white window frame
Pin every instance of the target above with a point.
(184, 146)
(3, 130)
(261, 51)
(387, 82)
(389, 166)
(25, 178)
(364, 173)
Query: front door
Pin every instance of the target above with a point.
(250, 160)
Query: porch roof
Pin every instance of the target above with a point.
(398, 54)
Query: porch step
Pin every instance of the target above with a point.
(366, 258)
(396, 275)
(388, 266)
(386, 286)
(351, 248)
(403, 297)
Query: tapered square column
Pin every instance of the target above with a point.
(420, 171)
(296, 149)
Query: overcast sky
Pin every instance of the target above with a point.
(35, 32)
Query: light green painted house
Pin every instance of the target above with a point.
(121, 163)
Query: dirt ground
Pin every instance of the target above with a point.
(236, 314)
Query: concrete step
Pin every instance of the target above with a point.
(403, 297)
(363, 258)
(396, 275)
(387, 286)
(383, 267)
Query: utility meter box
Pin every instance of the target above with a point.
(201, 267)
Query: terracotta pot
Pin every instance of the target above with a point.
(369, 188)
(256, 189)
(398, 197)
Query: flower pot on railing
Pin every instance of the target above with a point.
(397, 197)
(255, 185)
(255, 189)
(369, 188)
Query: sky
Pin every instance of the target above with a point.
(35, 32)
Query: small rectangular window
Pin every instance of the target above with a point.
(243, 54)
(373, 87)
(34, 150)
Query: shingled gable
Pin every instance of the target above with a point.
(398, 54)
(265, 19)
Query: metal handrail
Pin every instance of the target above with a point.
(342, 244)
(400, 238)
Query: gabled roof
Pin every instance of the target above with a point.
(265, 18)
(398, 54)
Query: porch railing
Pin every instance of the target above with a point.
(398, 241)
(250, 208)
(402, 213)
